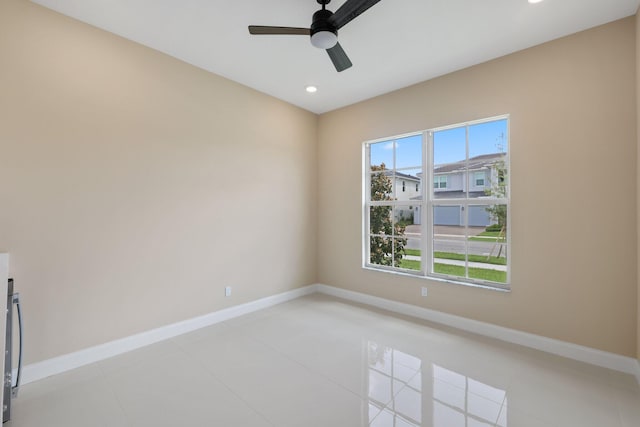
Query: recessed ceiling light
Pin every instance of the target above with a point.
(534, 1)
(311, 89)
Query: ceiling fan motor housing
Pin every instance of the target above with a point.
(324, 35)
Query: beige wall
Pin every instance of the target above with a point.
(4, 276)
(573, 159)
(134, 187)
(637, 19)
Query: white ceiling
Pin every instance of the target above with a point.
(394, 44)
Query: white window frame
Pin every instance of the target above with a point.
(427, 203)
(476, 179)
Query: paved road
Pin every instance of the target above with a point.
(452, 239)
(475, 248)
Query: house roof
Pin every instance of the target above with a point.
(401, 175)
(484, 161)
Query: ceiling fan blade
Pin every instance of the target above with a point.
(349, 11)
(339, 58)
(261, 29)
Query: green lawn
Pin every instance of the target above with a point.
(409, 264)
(414, 252)
(474, 273)
(488, 236)
(458, 271)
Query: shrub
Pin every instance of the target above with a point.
(493, 227)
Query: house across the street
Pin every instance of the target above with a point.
(451, 181)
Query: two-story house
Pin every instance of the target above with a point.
(406, 188)
(450, 181)
(453, 180)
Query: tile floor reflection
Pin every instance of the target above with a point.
(400, 388)
(395, 387)
(321, 361)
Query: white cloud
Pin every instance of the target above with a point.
(390, 145)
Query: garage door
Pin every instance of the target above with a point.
(446, 215)
(478, 216)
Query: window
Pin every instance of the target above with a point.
(458, 230)
(440, 181)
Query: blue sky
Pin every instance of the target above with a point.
(449, 145)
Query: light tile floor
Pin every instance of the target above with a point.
(320, 361)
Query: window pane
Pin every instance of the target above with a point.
(449, 157)
(449, 257)
(408, 233)
(449, 146)
(487, 149)
(403, 216)
(380, 250)
(409, 152)
(488, 243)
(410, 257)
(449, 241)
(382, 187)
(382, 154)
(406, 182)
(487, 138)
(380, 222)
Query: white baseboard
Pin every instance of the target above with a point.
(67, 362)
(46, 368)
(573, 351)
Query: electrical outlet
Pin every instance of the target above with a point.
(424, 291)
(227, 291)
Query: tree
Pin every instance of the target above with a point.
(499, 212)
(385, 250)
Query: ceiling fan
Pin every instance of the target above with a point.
(324, 29)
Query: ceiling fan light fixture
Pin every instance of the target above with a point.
(324, 39)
